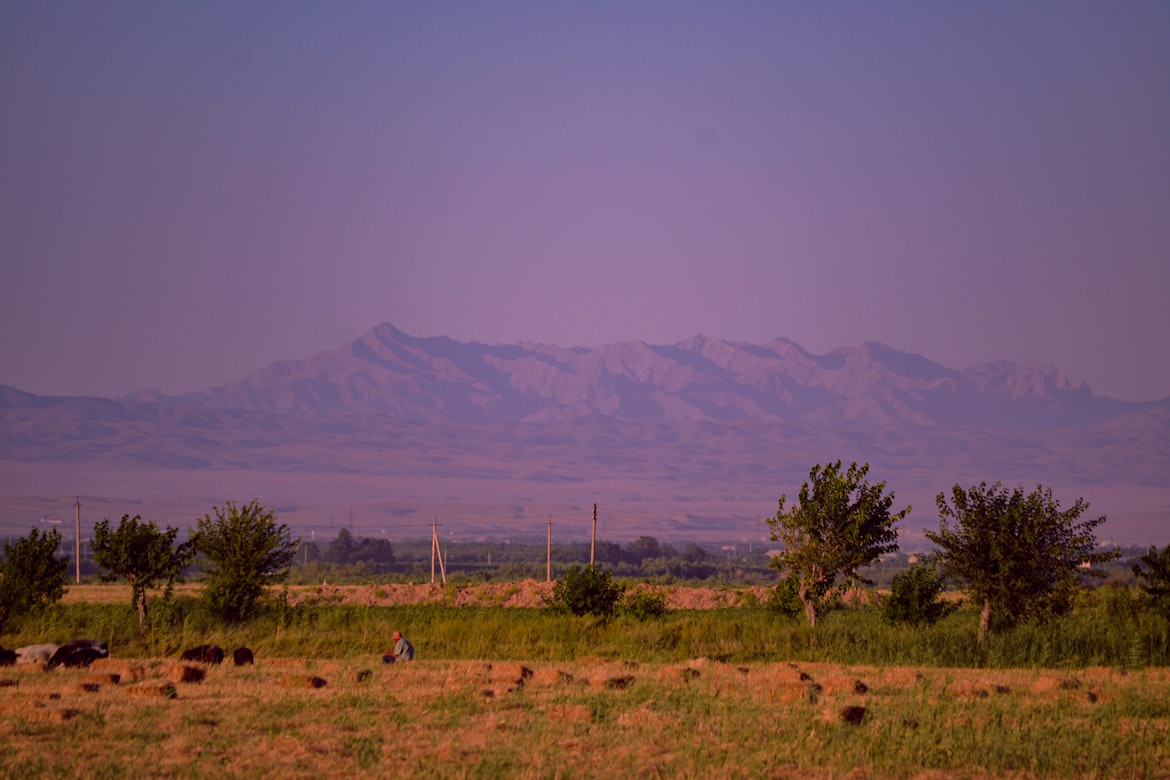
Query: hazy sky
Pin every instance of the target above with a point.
(190, 191)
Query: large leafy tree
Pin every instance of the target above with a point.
(245, 550)
(30, 574)
(1016, 554)
(642, 548)
(141, 554)
(840, 524)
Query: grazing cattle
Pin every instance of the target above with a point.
(205, 654)
(7, 657)
(242, 656)
(79, 652)
(35, 654)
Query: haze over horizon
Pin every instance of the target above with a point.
(194, 192)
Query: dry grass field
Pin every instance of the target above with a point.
(304, 718)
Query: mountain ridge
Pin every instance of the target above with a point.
(436, 379)
(690, 440)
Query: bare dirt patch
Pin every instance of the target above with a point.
(525, 594)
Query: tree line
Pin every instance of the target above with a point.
(1017, 555)
(241, 550)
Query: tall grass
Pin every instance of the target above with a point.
(1096, 634)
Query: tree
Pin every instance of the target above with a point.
(1154, 578)
(247, 550)
(607, 552)
(340, 550)
(30, 574)
(587, 591)
(374, 550)
(642, 548)
(914, 596)
(141, 554)
(1015, 554)
(840, 524)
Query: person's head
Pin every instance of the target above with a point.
(396, 635)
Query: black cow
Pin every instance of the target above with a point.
(204, 654)
(8, 657)
(242, 656)
(79, 652)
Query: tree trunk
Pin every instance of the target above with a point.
(140, 603)
(984, 620)
(810, 607)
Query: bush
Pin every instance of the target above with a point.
(914, 597)
(588, 591)
(785, 598)
(646, 604)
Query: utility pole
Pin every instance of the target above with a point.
(593, 537)
(437, 552)
(77, 515)
(548, 555)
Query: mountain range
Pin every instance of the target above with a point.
(439, 380)
(695, 439)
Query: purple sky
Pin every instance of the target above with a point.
(190, 191)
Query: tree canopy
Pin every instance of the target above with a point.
(30, 574)
(840, 524)
(346, 549)
(245, 550)
(1017, 554)
(141, 554)
(1153, 576)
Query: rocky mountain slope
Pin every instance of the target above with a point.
(438, 380)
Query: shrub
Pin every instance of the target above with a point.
(646, 604)
(588, 591)
(785, 598)
(914, 597)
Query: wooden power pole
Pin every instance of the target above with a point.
(437, 552)
(593, 537)
(77, 515)
(548, 554)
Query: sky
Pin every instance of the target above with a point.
(192, 191)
